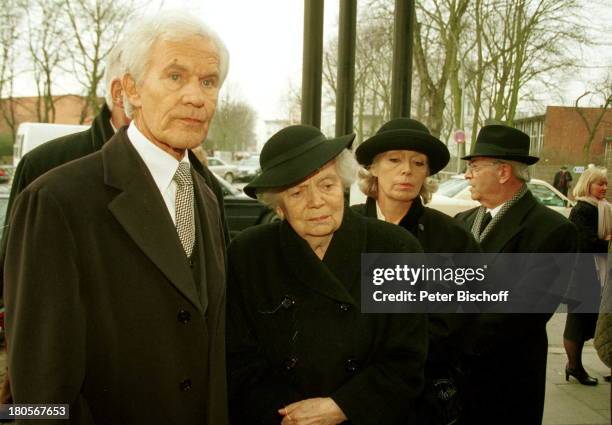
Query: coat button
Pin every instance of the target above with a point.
(287, 302)
(191, 263)
(351, 365)
(185, 385)
(345, 307)
(290, 363)
(183, 316)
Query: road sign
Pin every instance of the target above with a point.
(459, 136)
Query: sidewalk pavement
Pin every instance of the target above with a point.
(569, 403)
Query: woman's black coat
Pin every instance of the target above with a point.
(585, 217)
(295, 329)
(437, 233)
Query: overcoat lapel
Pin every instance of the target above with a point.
(141, 211)
(211, 241)
(510, 225)
(327, 276)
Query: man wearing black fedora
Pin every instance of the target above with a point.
(509, 366)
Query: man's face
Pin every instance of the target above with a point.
(314, 207)
(483, 175)
(176, 99)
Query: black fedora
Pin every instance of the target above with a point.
(294, 153)
(404, 134)
(503, 142)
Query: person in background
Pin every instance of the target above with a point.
(397, 164)
(299, 349)
(592, 216)
(562, 180)
(115, 263)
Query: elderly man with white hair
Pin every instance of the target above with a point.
(115, 269)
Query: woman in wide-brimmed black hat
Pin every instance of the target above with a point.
(397, 163)
(298, 346)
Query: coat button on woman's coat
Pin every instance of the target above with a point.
(290, 363)
(183, 316)
(185, 385)
(351, 365)
(287, 302)
(345, 307)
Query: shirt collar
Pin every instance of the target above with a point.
(161, 164)
(495, 210)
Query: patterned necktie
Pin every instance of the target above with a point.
(185, 221)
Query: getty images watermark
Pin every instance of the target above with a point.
(472, 283)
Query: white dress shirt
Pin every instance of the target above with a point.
(161, 165)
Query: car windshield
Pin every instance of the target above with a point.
(451, 187)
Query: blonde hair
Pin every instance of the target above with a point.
(590, 176)
(368, 183)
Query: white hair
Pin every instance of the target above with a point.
(167, 26)
(114, 70)
(346, 167)
(520, 170)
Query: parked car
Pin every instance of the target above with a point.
(241, 211)
(221, 168)
(248, 168)
(453, 196)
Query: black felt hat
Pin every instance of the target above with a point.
(503, 142)
(404, 134)
(294, 153)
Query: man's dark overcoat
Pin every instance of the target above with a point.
(103, 309)
(295, 329)
(509, 371)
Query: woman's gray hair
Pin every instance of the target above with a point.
(590, 176)
(346, 167)
(114, 70)
(167, 26)
(368, 183)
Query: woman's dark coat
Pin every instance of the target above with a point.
(436, 231)
(585, 286)
(296, 331)
(585, 216)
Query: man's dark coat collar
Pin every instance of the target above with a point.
(141, 210)
(101, 129)
(337, 276)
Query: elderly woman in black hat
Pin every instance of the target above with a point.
(299, 349)
(397, 163)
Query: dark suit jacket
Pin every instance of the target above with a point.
(102, 309)
(296, 331)
(509, 373)
(73, 146)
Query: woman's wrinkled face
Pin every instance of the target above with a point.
(400, 174)
(599, 188)
(315, 206)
